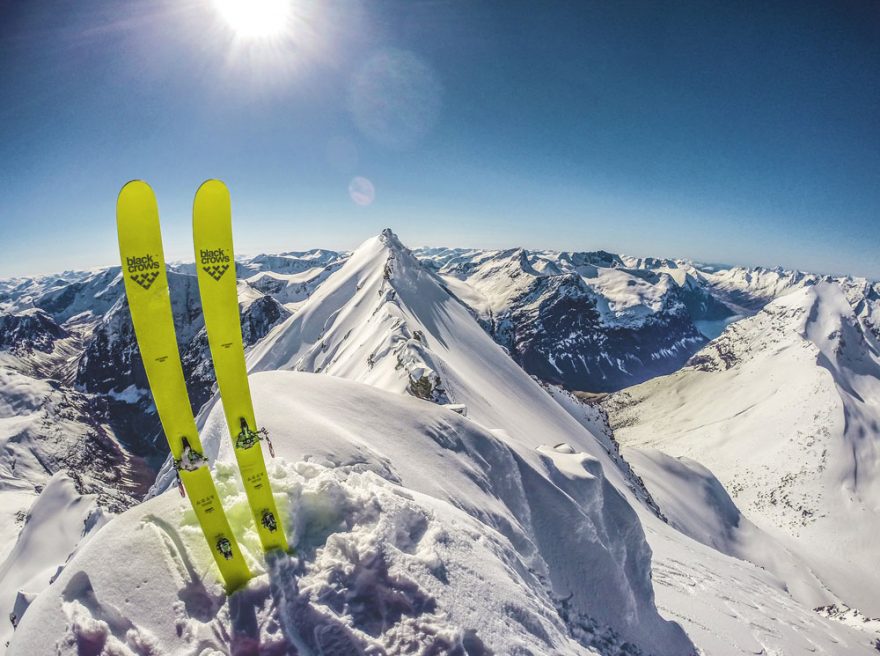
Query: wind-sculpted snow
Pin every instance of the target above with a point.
(783, 408)
(416, 531)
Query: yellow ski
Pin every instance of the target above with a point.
(215, 264)
(146, 286)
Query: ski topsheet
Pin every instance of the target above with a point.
(146, 286)
(215, 264)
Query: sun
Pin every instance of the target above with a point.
(255, 19)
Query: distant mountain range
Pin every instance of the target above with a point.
(693, 360)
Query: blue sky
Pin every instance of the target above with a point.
(743, 132)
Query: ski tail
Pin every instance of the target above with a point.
(149, 300)
(218, 286)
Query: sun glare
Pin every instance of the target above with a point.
(253, 19)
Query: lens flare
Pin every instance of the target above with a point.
(255, 19)
(362, 191)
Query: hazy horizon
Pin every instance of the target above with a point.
(174, 255)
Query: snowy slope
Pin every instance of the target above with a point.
(74, 408)
(711, 568)
(730, 607)
(60, 465)
(417, 531)
(385, 320)
(58, 522)
(410, 535)
(784, 409)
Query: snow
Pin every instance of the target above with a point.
(628, 299)
(412, 526)
(730, 607)
(333, 333)
(750, 288)
(783, 409)
(45, 516)
(131, 394)
(294, 288)
(489, 281)
(16, 499)
(556, 312)
(58, 522)
(493, 513)
(359, 317)
(696, 503)
(71, 294)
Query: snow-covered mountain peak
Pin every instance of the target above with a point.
(818, 316)
(521, 257)
(582, 261)
(782, 408)
(832, 324)
(358, 324)
(503, 496)
(386, 320)
(29, 330)
(752, 287)
(391, 240)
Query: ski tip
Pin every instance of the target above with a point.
(134, 187)
(212, 186)
(134, 194)
(212, 197)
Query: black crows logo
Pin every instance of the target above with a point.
(215, 262)
(145, 280)
(216, 272)
(143, 270)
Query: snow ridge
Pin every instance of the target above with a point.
(782, 408)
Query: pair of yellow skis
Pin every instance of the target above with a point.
(146, 286)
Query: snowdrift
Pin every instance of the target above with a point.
(416, 531)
